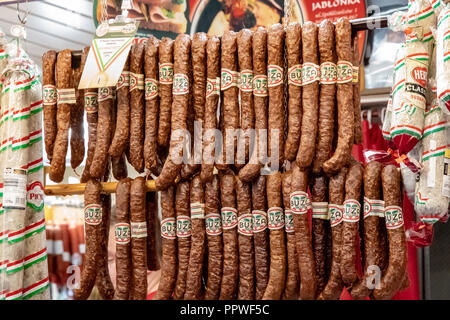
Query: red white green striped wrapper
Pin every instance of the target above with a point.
(14, 295)
(3, 294)
(26, 262)
(443, 16)
(3, 265)
(197, 210)
(184, 226)
(3, 54)
(3, 237)
(19, 85)
(138, 229)
(21, 143)
(35, 289)
(34, 165)
(22, 234)
(424, 13)
(27, 112)
(300, 202)
(373, 207)
(66, 96)
(352, 209)
(320, 210)
(435, 152)
(336, 214)
(440, 126)
(394, 217)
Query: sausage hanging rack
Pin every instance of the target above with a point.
(361, 24)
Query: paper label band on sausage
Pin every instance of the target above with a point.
(259, 220)
(275, 218)
(93, 214)
(212, 87)
(336, 213)
(394, 217)
(166, 73)
(229, 218)
(66, 96)
(274, 75)
(320, 210)
(295, 75)
(180, 84)
(355, 74)
(122, 233)
(136, 81)
(49, 94)
(246, 80)
(373, 208)
(310, 73)
(213, 224)
(105, 93)
(260, 85)
(151, 88)
(344, 72)
(169, 228)
(197, 210)
(352, 209)
(245, 224)
(184, 226)
(228, 79)
(138, 229)
(328, 73)
(416, 79)
(288, 221)
(124, 80)
(91, 102)
(300, 203)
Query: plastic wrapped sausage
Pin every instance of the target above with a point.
(49, 96)
(184, 233)
(275, 74)
(344, 95)
(165, 90)
(246, 290)
(275, 217)
(294, 57)
(169, 245)
(310, 96)
(230, 246)
(195, 268)
(76, 120)
(392, 195)
(213, 224)
(212, 100)
(151, 104)
(291, 289)
(260, 235)
(336, 191)
(180, 91)
(260, 92)
(327, 98)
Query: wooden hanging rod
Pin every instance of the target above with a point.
(78, 188)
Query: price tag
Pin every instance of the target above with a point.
(14, 189)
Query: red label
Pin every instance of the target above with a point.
(420, 75)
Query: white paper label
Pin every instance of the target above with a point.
(14, 189)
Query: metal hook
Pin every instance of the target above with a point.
(24, 19)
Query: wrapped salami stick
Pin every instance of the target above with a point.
(137, 107)
(260, 235)
(180, 89)
(138, 241)
(327, 100)
(442, 61)
(246, 290)
(195, 268)
(310, 96)
(151, 104)
(275, 74)
(66, 97)
(165, 90)
(76, 120)
(344, 94)
(333, 288)
(244, 46)
(373, 208)
(213, 223)
(169, 246)
(258, 153)
(103, 280)
(291, 289)
(300, 203)
(92, 218)
(229, 224)
(277, 271)
(320, 227)
(184, 233)
(356, 93)
(350, 224)
(294, 57)
(153, 236)
(199, 43)
(212, 100)
(49, 91)
(394, 276)
(123, 238)
(122, 132)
